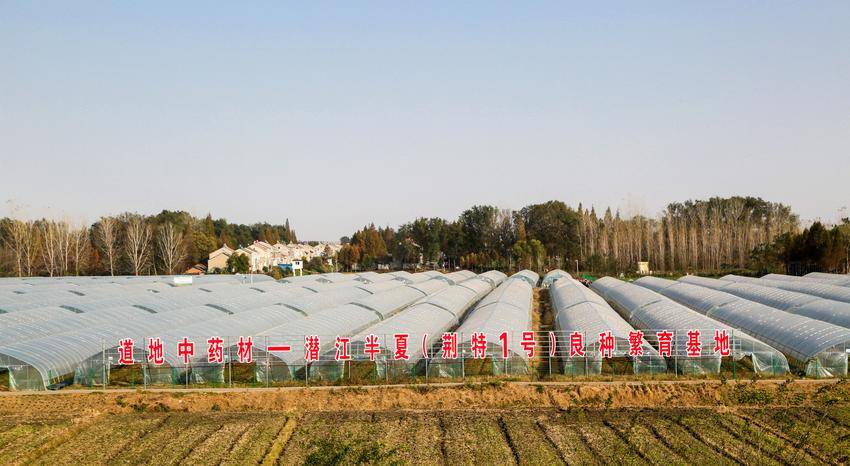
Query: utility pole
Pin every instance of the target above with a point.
(842, 212)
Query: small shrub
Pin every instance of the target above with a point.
(495, 384)
(161, 408)
(754, 396)
(139, 407)
(421, 389)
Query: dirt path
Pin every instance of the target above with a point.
(470, 396)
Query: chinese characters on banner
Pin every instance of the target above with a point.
(401, 347)
(478, 345)
(665, 343)
(215, 352)
(243, 350)
(606, 344)
(341, 346)
(694, 346)
(721, 343)
(576, 345)
(669, 343)
(372, 348)
(311, 348)
(449, 348)
(186, 350)
(125, 351)
(156, 354)
(636, 343)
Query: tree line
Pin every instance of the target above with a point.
(696, 236)
(818, 248)
(124, 244)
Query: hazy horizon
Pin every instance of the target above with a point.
(339, 115)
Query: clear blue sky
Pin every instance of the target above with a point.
(342, 113)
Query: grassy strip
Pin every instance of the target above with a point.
(52, 442)
(253, 446)
(476, 439)
(102, 440)
(280, 442)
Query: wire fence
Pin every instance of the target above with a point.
(287, 360)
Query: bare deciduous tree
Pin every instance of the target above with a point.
(14, 239)
(106, 235)
(63, 240)
(79, 247)
(172, 249)
(50, 246)
(137, 238)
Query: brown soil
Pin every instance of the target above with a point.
(483, 396)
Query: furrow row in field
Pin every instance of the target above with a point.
(606, 445)
(476, 439)
(568, 441)
(643, 441)
(680, 440)
(528, 442)
(664, 437)
(809, 429)
(710, 441)
(745, 445)
(25, 438)
(252, 446)
(102, 440)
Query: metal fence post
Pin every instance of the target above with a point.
(675, 351)
(427, 362)
(734, 362)
(230, 364)
(462, 360)
(506, 351)
(144, 365)
(584, 348)
(386, 361)
(103, 363)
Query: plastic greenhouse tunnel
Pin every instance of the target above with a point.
(423, 322)
(814, 307)
(552, 276)
(818, 347)
(579, 309)
(505, 309)
(652, 312)
(833, 292)
(344, 321)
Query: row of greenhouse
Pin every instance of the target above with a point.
(57, 332)
(83, 330)
(778, 323)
